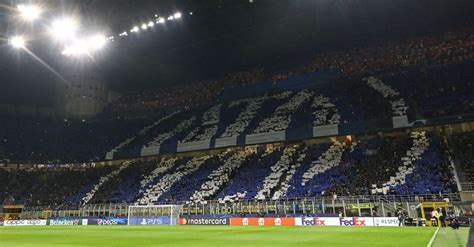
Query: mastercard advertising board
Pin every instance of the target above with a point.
(204, 221)
(262, 221)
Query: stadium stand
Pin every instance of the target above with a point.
(464, 152)
(347, 103)
(449, 48)
(157, 190)
(405, 79)
(71, 141)
(361, 167)
(48, 187)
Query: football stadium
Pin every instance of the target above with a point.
(237, 123)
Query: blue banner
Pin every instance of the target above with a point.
(107, 221)
(151, 220)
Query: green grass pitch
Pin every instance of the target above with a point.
(225, 236)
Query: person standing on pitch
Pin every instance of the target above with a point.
(401, 217)
(433, 218)
(437, 215)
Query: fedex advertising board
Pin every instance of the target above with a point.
(356, 221)
(334, 221)
(317, 221)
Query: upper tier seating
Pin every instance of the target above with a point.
(446, 48)
(424, 77)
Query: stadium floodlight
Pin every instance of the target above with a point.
(79, 48)
(17, 41)
(177, 15)
(86, 46)
(29, 12)
(64, 29)
(97, 42)
(161, 20)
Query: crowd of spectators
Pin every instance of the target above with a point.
(63, 141)
(433, 92)
(191, 95)
(463, 149)
(123, 186)
(380, 58)
(394, 56)
(265, 172)
(47, 187)
(426, 92)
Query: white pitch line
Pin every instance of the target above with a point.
(433, 238)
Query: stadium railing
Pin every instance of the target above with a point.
(467, 186)
(383, 205)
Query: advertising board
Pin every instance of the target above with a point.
(24, 223)
(107, 221)
(204, 221)
(356, 221)
(334, 221)
(262, 221)
(65, 222)
(385, 221)
(209, 220)
(317, 221)
(150, 220)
